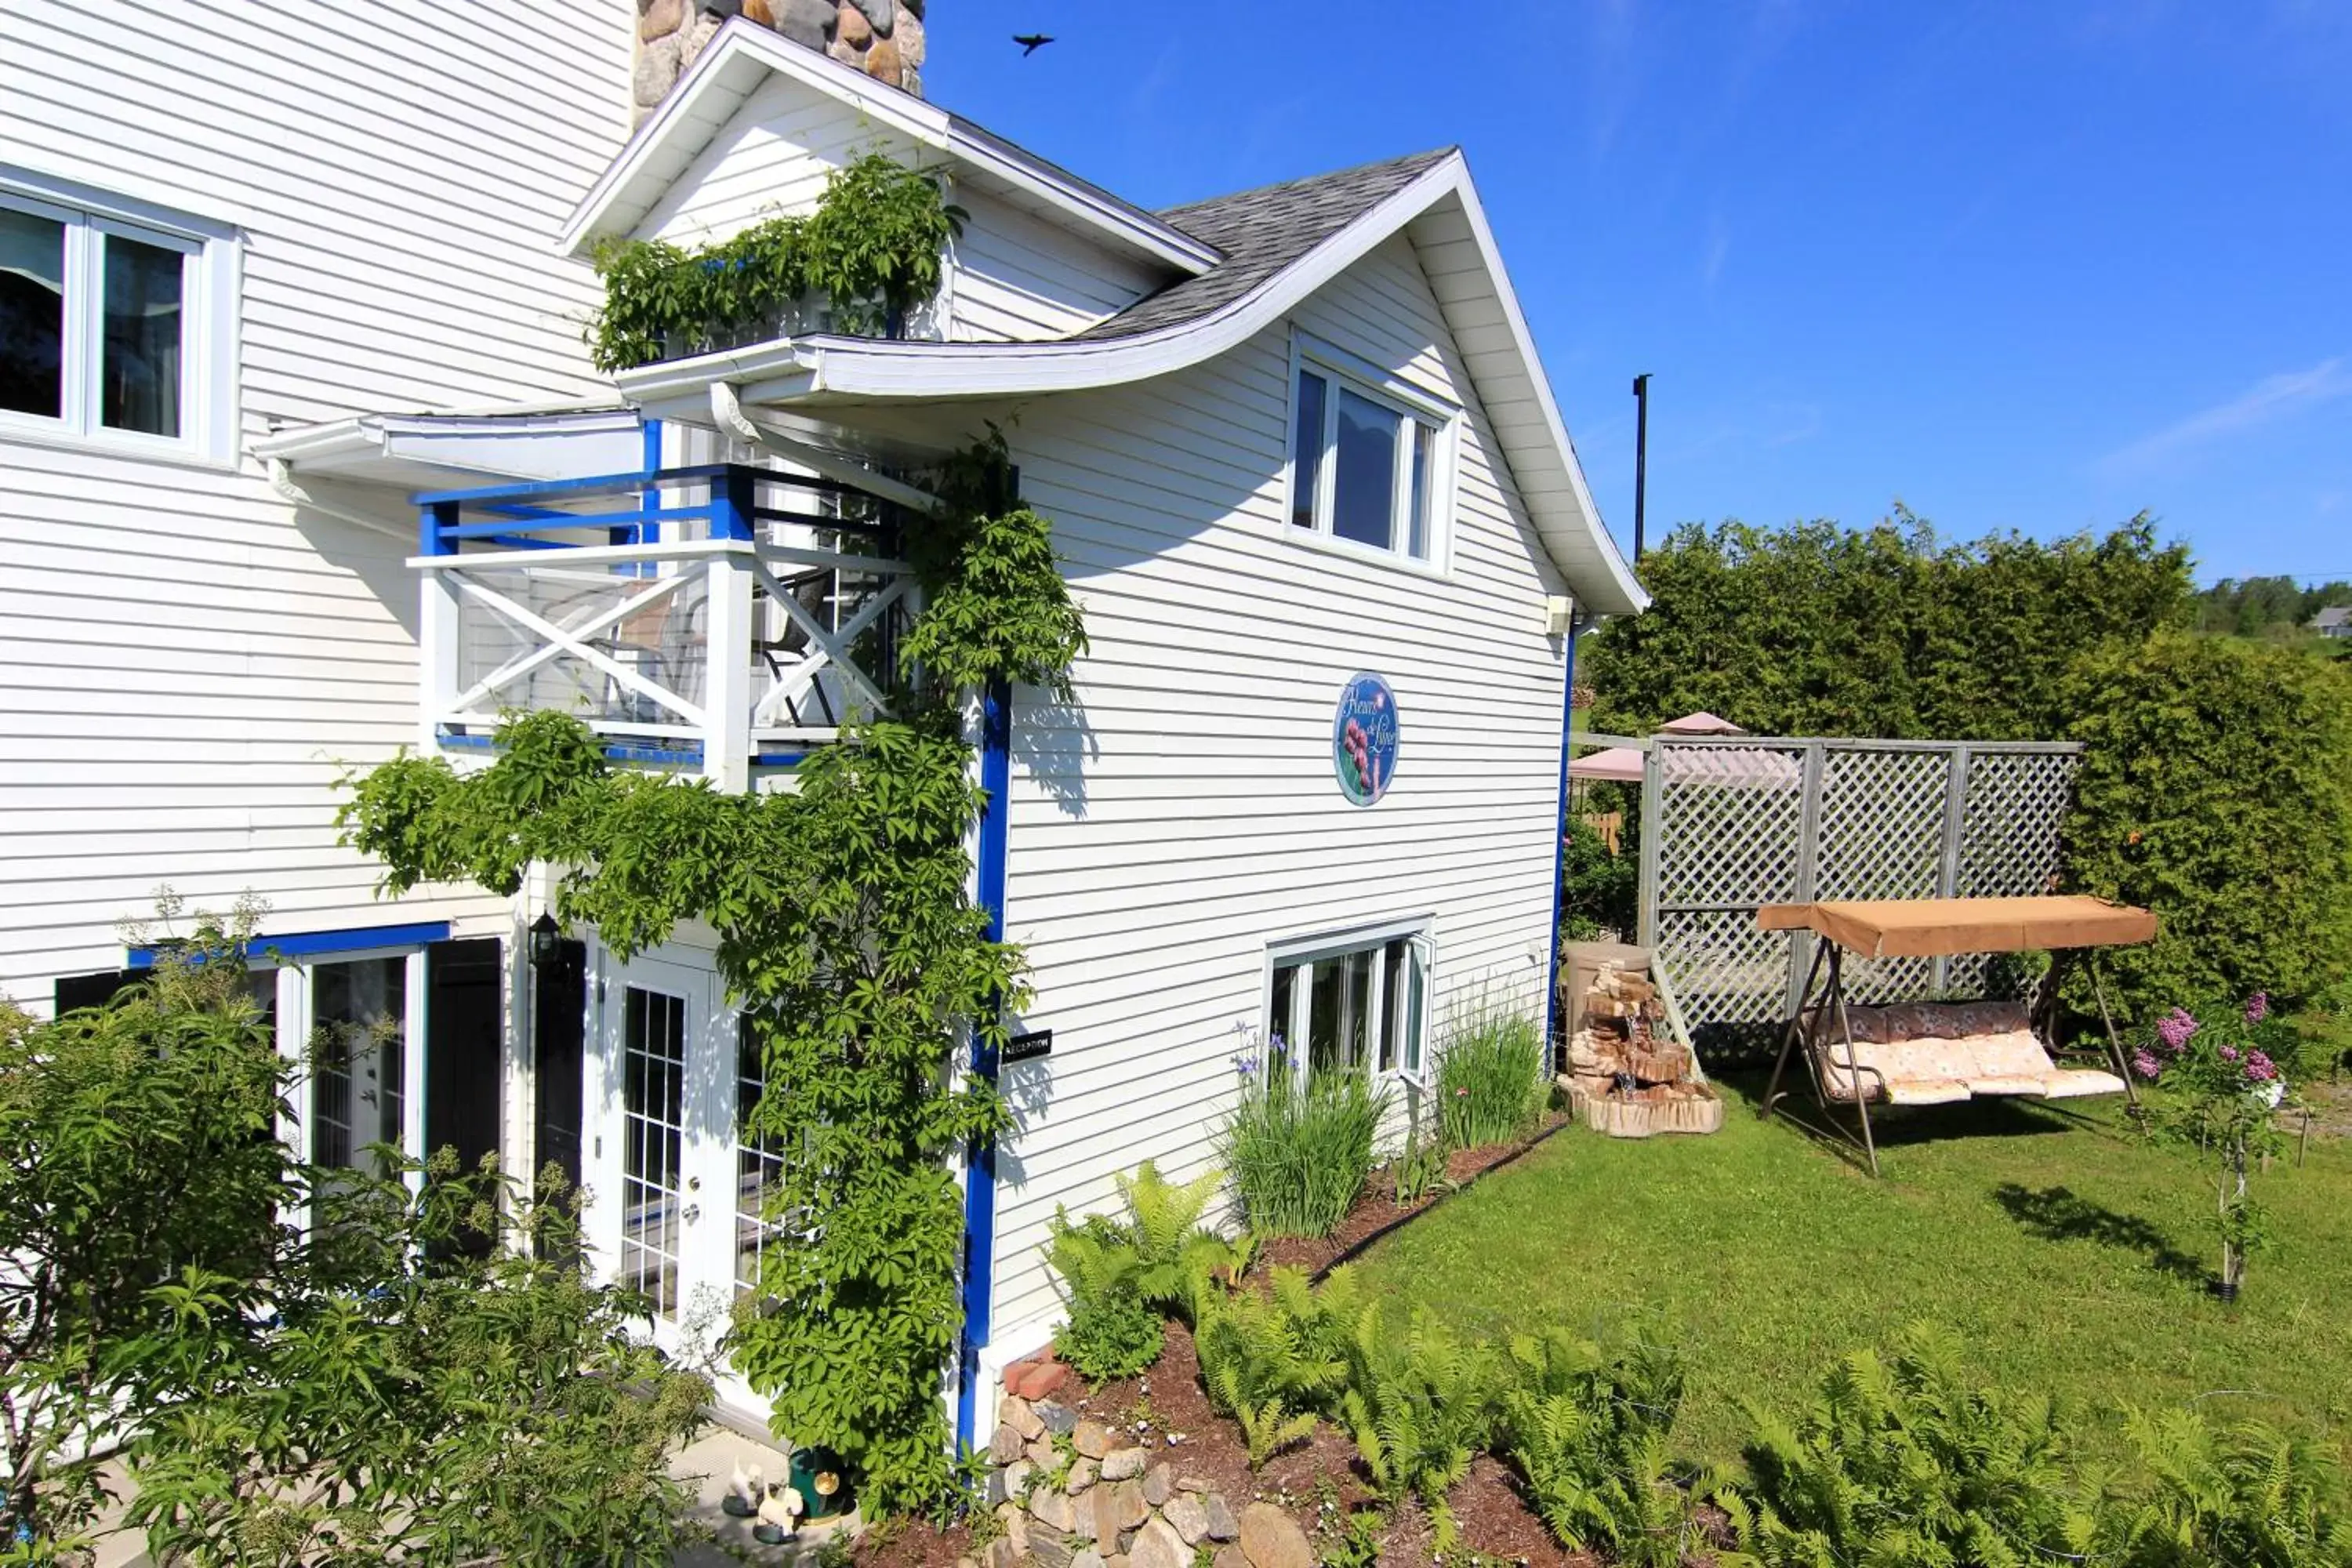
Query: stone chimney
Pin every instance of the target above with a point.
(883, 38)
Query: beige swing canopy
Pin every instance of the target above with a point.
(1941, 928)
(1934, 1053)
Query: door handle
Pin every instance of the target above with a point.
(691, 1213)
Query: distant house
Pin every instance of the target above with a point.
(2335, 621)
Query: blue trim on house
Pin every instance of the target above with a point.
(979, 1166)
(686, 755)
(297, 944)
(1560, 831)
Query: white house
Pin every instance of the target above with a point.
(1299, 453)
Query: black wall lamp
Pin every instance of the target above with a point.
(546, 940)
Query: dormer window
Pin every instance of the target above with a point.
(1369, 465)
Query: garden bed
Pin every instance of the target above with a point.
(1377, 1213)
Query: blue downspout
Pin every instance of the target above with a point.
(979, 1165)
(1560, 832)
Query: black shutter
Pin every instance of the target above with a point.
(78, 991)
(559, 1039)
(464, 986)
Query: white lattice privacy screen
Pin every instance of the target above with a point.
(1731, 824)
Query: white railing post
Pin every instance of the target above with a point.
(726, 648)
(437, 632)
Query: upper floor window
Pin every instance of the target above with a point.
(106, 328)
(1367, 462)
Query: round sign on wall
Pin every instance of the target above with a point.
(1364, 739)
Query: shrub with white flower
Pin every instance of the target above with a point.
(2223, 1087)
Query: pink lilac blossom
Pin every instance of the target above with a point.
(2258, 1006)
(2145, 1065)
(2260, 1068)
(2228, 1053)
(2175, 1028)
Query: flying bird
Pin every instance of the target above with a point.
(1031, 42)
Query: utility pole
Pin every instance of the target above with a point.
(1641, 457)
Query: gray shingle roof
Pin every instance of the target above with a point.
(1262, 232)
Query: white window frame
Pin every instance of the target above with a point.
(1419, 930)
(1340, 371)
(297, 1019)
(208, 321)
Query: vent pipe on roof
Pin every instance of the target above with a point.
(883, 38)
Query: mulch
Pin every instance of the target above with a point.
(1376, 1211)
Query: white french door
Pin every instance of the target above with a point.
(660, 1095)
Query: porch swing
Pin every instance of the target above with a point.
(1938, 1053)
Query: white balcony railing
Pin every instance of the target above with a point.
(702, 620)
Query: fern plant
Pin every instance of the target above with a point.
(2249, 1496)
(1588, 1436)
(1419, 1407)
(1904, 1462)
(1125, 1276)
(1270, 1361)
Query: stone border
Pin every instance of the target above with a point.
(1067, 1491)
(1363, 1244)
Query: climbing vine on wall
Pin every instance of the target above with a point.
(873, 251)
(847, 934)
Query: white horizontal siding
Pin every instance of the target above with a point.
(1019, 278)
(1012, 277)
(192, 666)
(1183, 815)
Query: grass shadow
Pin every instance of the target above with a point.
(2059, 1214)
(1837, 1129)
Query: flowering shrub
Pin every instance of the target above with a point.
(2221, 1072)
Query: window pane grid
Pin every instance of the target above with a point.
(1358, 1009)
(1364, 468)
(97, 322)
(653, 1079)
(757, 1166)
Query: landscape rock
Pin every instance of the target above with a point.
(1157, 1482)
(1048, 1548)
(1083, 1473)
(882, 61)
(1040, 1453)
(660, 19)
(1089, 1558)
(1092, 1437)
(1122, 1464)
(1270, 1538)
(1159, 1545)
(696, 37)
(912, 45)
(1229, 1557)
(1191, 1484)
(804, 22)
(851, 27)
(1022, 1416)
(1052, 1508)
(1006, 1445)
(1058, 1418)
(1016, 1477)
(1118, 1508)
(1221, 1525)
(655, 73)
(881, 15)
(1185, 1513)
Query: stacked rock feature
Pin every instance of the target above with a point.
(1069, 1493)
(1625, 1077)
(883, 38)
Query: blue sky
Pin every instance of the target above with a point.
(2020, 266)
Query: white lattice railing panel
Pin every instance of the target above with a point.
(1734, 825)
(1743, 802)
(1882, 824)
(1726, 971)
(2016, 805)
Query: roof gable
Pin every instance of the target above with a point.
(743, 56)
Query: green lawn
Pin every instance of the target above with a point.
(2068, 1254)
